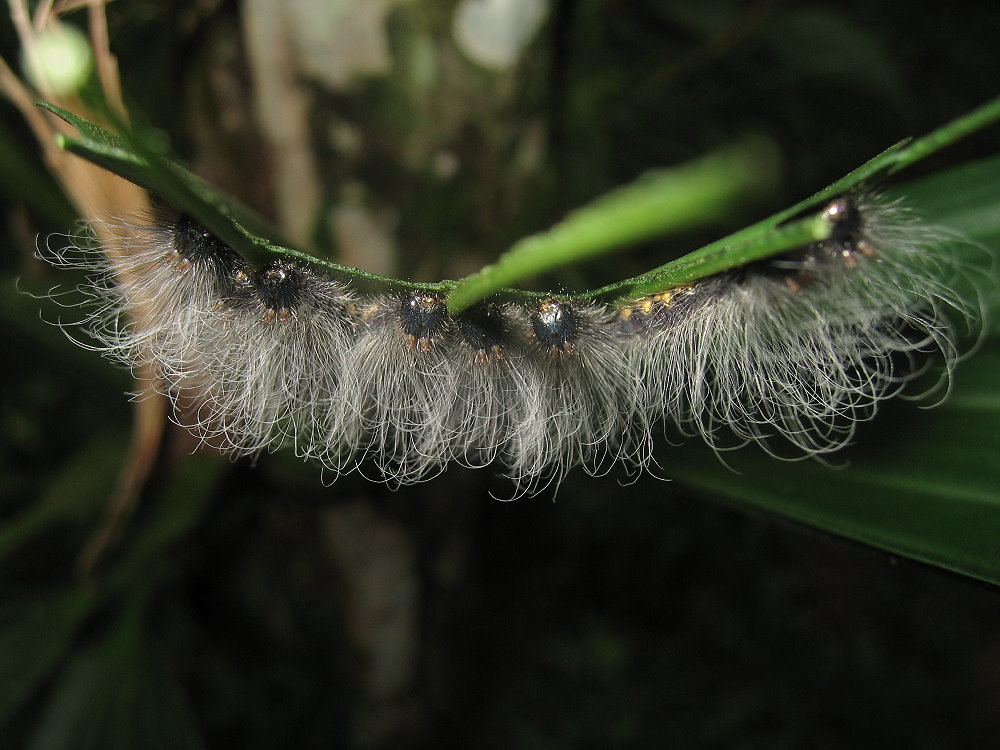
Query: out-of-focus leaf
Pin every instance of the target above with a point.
(79, 688)
(928, 489)
(79, 488)
(920, 483)
(118, 695)
(180, 506)
(32, 647)
(166, 720)
(23, 179)
(965, 200)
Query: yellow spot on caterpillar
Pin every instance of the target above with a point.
(365, 313)
(644, 305)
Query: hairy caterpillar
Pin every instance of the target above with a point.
(797, 348)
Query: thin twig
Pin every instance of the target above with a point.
(21, 19)
(106, 62)
(148, 419)
(24, 99)
(93, 192)
(68, 6)
(43, 15)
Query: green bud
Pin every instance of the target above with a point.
(62, 60)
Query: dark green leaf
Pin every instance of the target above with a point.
(22, 178)
(249, 235)
(118, 695)
(927, 486)
(179, 507)
(130, 159)
(79, 487)
(233, 222)
(920, 483)
(31, 647)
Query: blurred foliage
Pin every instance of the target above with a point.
(254, 607)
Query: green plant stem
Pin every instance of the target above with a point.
(692, 195)
(954, 131)
(722, 255)
(685, 197)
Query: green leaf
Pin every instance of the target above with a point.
(954, 131)
(118, 694)
(78, 489)
(668, 200)
(635, 212)
(233, 222)
(22, 178)
(32, 647)
(604, 225)
(130, 158)
(924, 484)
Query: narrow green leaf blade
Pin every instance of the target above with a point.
(231, 221)
(668, 200)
